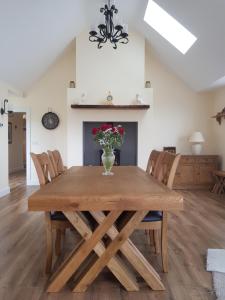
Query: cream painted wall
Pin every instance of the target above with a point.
(218, 101)
(49, 93)
(178, 110)
(16, 149)
(4, 184)
(120, 71)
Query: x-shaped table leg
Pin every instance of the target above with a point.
(134, 256)
(120, 241)
(77, 257)
(74, 260)
(115, 265)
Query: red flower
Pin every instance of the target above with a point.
(95, 131)
(121, 130)
(104, 127)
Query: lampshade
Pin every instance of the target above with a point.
(196, 137)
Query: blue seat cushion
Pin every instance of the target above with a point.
(58, 216)
(153, 216)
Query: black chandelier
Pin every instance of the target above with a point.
(107, 30)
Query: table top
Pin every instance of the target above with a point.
(86, 189)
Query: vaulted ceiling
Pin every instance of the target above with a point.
(34, 33)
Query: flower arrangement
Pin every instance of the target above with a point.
(109, 137)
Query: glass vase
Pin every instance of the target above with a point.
(108, 159)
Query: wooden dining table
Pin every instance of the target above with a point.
(117, 204)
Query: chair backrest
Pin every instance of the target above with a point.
(43, 167)
(167, 168)
(158, 164)
(58, 161)
(153, 162)
(53, 162)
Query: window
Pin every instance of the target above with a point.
(168, 27)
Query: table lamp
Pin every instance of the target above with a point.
(196, 139)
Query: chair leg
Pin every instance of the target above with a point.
(58, 242)
(164, 242)
(49, 250)
(151, 237)
(146, 234)
(156, 241)
(63, 232)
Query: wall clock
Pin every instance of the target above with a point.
(50, 120)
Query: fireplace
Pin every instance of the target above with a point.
(126, 156)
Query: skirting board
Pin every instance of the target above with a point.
(32, 182)
(5, 191)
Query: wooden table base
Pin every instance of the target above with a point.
(106, 254)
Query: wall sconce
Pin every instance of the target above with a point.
(3, 110)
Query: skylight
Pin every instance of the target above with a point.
(168, 27)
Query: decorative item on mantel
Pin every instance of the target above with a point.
(196, 139)
(83, 98)
(72, 84)
(110, 28)
(219, 116)
(109, 138)
(109, 99)
(147, 84)
(139, 99)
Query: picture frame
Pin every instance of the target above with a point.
(9, 133)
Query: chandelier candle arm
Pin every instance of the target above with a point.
(108, 31)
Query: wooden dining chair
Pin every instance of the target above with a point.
(53, 220)
(152, 160)
(44, 168)
(57, 161)
(156, 221)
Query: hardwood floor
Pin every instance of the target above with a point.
(191, 232)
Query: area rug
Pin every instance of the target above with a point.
(216, 265)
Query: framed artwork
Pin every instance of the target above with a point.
(170, 149)
(9, 133)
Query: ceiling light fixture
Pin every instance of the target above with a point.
(108, 29)
(168, 27)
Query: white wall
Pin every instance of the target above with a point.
(48, 93)
(4, 184)
(175, 111)
(178, 110)
(120, 71)
(218, 101)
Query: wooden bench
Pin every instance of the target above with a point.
(219, 187)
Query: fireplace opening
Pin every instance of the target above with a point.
(126, 156)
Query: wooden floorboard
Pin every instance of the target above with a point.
(191, 232)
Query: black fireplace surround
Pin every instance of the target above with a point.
(126, 156)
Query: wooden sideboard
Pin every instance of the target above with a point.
(196, 172)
